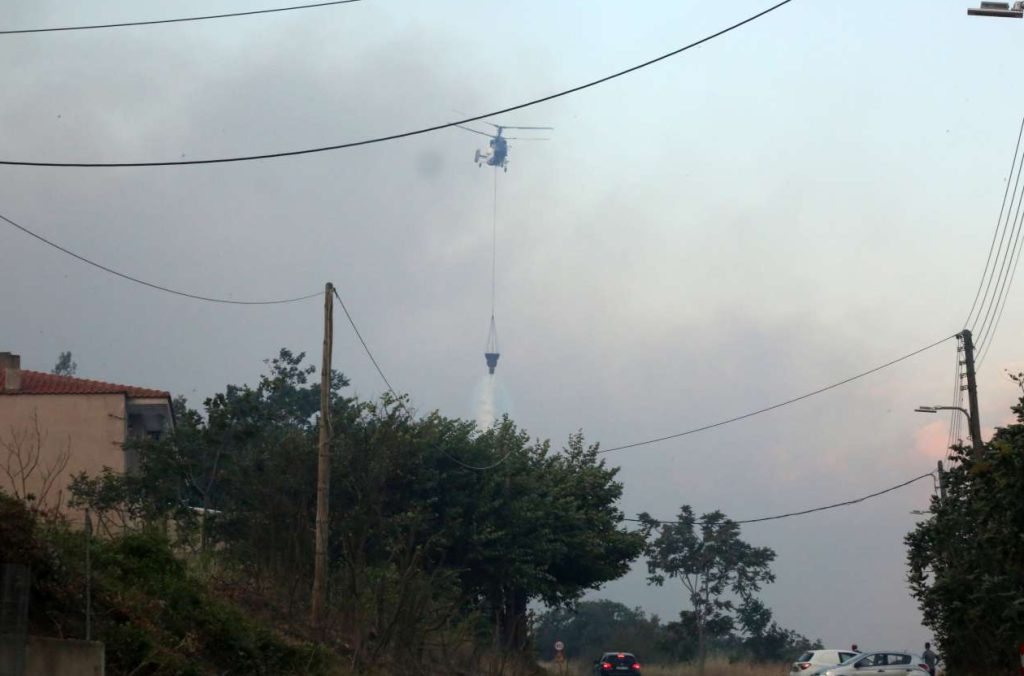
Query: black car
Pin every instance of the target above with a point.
(617, 663)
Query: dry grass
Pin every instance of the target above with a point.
(712, 668)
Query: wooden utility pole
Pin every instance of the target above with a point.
(88, 576)
(972, 396)
(323, 468)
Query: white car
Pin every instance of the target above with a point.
(886, 663)
(812, 661)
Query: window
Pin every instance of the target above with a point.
(876, 660)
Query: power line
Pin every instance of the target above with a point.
(999, 221)
(400, 402)
(721, 423)
(999, 262)
(958, 394)
(407, 134)
(958, 397)
(366, 348)
(178, 20)
(813, 510)
(952, 414)
(151, 285)
(1002, 304)
(1013, 227)
(1003, 280)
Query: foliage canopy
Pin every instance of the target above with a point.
(421, 545)
(715, 567)
(966, 561)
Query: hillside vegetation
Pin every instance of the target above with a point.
(154, 616)
(432, 562)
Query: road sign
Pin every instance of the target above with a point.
(559, 646)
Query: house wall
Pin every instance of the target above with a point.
(89, 428)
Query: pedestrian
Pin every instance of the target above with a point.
(930, 658)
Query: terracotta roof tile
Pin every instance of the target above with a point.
(36, 382)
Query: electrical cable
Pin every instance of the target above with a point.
(151, 285)
(366, 347)
(958, 393)
(956, 390)
(1002, 304)
(813, 510)
(766, 409)
(985, 301)
(958, 402)
(417, 132)
(398, 399)
(999, 221)
(1004, 264)
(1003, 280)
(179, 20)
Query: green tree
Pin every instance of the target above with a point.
(548, 528)
(422, 542)
(966, 561)
(766, 641)
(682, 638)
(65, 366)
(590, 628)
(712, 563)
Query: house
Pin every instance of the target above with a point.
(53, 427)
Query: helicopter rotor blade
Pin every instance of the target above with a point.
(475, 131)
(523, 138)
(510, 127)
(465, 115)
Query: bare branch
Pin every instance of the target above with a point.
(23, 463)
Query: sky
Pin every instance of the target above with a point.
(796, 202)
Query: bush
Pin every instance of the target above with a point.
(155, 618)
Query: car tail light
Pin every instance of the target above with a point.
(804, 665)
(636, 665)
(606, 665)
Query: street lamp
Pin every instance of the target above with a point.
(1000, 9)
(936, 409)
(975, 443)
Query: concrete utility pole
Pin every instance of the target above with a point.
(972, 396)
(323, 468)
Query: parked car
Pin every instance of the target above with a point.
(812, 661)
(617, 663)
(887, 663)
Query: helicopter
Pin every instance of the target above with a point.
(497, 154)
